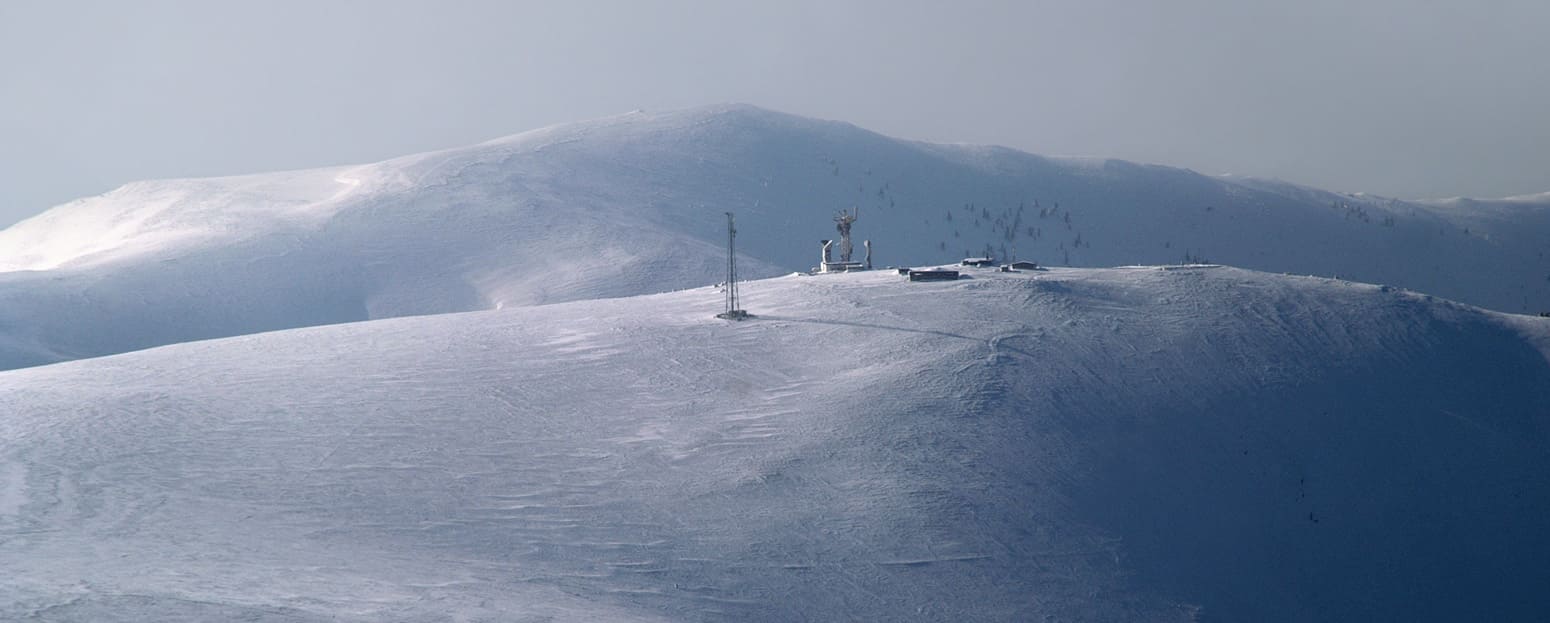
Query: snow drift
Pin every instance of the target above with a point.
(632, 204)
(1124, 444)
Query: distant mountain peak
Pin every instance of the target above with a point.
(633, 203)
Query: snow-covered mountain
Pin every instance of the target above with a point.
(633, 204)
(1131, 444)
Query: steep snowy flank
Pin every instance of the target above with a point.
(632, 204)
(1134, 444)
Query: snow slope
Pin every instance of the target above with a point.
(633, 204)
(1171, 443)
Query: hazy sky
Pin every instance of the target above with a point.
(1408, 98)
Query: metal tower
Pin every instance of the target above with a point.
(733, 312)
(842, 223)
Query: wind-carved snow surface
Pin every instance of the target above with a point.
(633, 204)
(1135, 444)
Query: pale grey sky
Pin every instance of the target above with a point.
(1411, 98)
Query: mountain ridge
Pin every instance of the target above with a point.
(632, 204)
(1175, 443)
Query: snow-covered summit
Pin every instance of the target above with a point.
(1138, 444)
(632, 204)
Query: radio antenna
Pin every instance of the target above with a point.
(733, 310)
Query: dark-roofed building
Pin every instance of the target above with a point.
(933, 275)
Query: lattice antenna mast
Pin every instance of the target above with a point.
(733, 312)
(732, 308)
